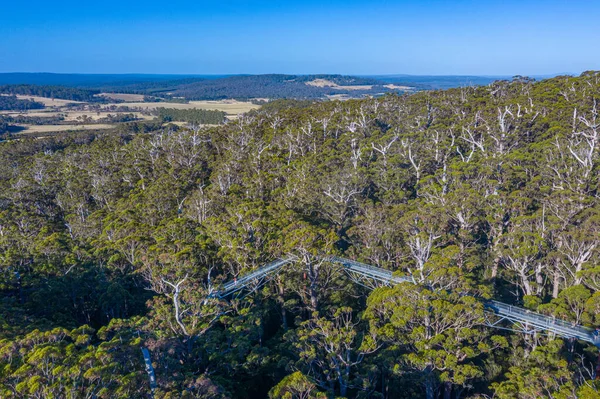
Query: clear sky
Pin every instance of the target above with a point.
(484, 37)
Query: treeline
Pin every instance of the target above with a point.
(3, 125)
(282, 104)
(267, 86)
(60, 92)
(113, 242)
(35, 120)
(341, 80)
(152, 87)
(196, 116)
(272, 86)
(12, 103)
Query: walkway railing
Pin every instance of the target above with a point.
(526, 320)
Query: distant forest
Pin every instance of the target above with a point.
(12, 103)
(3, 126)
(197, 116)
(60, 92)
(272, 86)
(217, 87)
(242, 87)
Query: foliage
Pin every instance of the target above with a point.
(196, 116)
(273, 86)
(62, 92)
(114, 241)
(12, 103)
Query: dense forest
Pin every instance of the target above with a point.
(113, 242)
(273, 86)
(61, 92)
(216, 87)
(197, 116)
(12, 103)
(3, 125)
(35, 120)
(141, 83)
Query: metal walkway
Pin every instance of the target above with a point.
(358, 271)
(531, 322)
(525, 321)
(257, 277)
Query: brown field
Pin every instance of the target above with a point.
(123, 96)
(328, 83)
(61, 128)
(396, 87)
(74, 115)
(231, 107)
(48, 102)
(57, 108)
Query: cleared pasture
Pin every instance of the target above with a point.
(333, 85)
(230, 107)
(396, 87)
(76, 115)
(44, 113)
(123, 96)
(48, 102)
(61, 128)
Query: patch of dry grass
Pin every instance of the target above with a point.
(333, 85)
(48, 102)
(61, 128)
(396, 87)
(231, 107)
(123, 96)
(75, 115)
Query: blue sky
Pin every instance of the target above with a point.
(484, 37)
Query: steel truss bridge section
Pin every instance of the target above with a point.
(366, 275)
(524, 320)
(258, 277)
(531, 322)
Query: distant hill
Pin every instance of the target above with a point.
(280, 86)
(93, 80)
(272, 86)
(212, 87)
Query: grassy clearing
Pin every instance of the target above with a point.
(38, 112)
(328, 83)
(33, 129)
(231, 107)
(48, 102)
(76, 115)
(57, 108)
(123, 96)
(71, 116)
(396, 87)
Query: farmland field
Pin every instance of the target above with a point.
(231, 107)
(89, 116)
(333, 85)
(29, 129)
(48, 102)
(123, 96)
